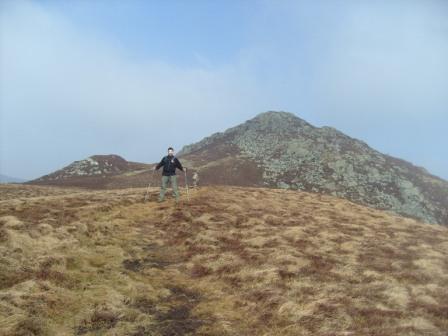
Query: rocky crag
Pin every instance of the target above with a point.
(278, 149)
(97, 171)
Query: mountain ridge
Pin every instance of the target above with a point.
(281, 150)
(287, 152)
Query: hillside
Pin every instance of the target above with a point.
(280, 150)
(232, 261)
(98, 172)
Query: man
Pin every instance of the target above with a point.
(169, 163)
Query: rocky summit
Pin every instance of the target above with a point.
(278, 149)
(94, 172)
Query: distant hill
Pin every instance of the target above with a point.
(280, 150)
(96, 171)
(10, 179)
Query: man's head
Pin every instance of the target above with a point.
(170, 151)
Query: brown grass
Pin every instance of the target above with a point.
(232, 261)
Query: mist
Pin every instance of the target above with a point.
(124, 79)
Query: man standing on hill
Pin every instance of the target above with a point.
(169, 163)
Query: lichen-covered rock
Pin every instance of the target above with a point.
(93, 172)
(291, 153)
(280, 150)
(94, 165)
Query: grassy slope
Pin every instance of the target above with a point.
(234, 261)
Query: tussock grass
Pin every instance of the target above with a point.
(233, 261)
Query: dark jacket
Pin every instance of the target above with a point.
(169, 165)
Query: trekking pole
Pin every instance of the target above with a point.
(149, 185)
(186, 184)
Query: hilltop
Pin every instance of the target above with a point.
(280, 150)
(97, 172)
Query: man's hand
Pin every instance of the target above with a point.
(155, 168)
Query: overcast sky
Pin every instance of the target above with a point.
(79, 78)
